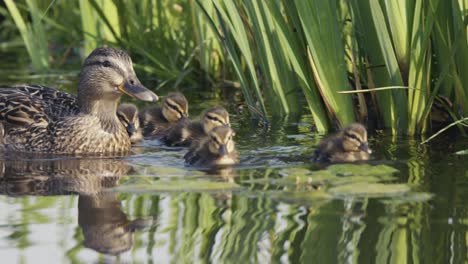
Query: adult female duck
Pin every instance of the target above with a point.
(44, 120)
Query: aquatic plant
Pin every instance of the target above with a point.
(353, 47)
(32, 33)
(382, 62)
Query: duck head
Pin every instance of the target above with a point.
(355, 138)
(128, 115)
(175, 107)
(214, 117)
(221, 141)
(108, 73)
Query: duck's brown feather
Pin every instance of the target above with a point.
(200, 155)
(42, 119)
(184, 134)
(153, 122)
(331, 149)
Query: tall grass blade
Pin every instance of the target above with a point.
(281, 87)
(33, 35)
(319, 21)
(233, 32)
(292, 45)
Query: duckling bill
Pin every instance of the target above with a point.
(348, 145)
(35, 120)
(217, 149)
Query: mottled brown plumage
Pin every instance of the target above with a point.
(216, 149)
(128, 115)
(62, 104)
(186, 133)
(43, 120)
(157, 121)
(348, 145)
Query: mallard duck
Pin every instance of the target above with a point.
(156, 121)
(128, 115)
(217, 149)
(186, 132)
(348, 145)
(63, 104)
(36, 120)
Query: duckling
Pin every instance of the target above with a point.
(128, 115)
(34, 118)
(186, 133)
(157, 121)
(348, 145)
(217, 149)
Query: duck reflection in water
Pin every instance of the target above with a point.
(46, 177)
(106, 228)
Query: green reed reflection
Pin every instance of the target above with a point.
(62, 211)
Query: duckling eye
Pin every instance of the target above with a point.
(353, 137)
(215, 119)
(214, 139)
(173, 107)
(106, 63)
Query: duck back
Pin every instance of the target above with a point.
(41, 119)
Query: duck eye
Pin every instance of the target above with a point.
(106, 63)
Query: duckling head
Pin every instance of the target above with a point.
(221, 141)
(355, 138)
(214, 117)
(108, 73)
(175, 107)
(128, 115)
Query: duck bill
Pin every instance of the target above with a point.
(138, 91)
(364, 147)
(184, 117)
(131, 129)
(223, 150)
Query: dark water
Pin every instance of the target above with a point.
(276, 206)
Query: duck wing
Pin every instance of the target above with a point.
(34, 105)
(55, 103)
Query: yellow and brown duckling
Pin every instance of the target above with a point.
(348, 145)
(157, 121)
(217, 149)
(128, 115)
(186, 133)
(35, 120)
